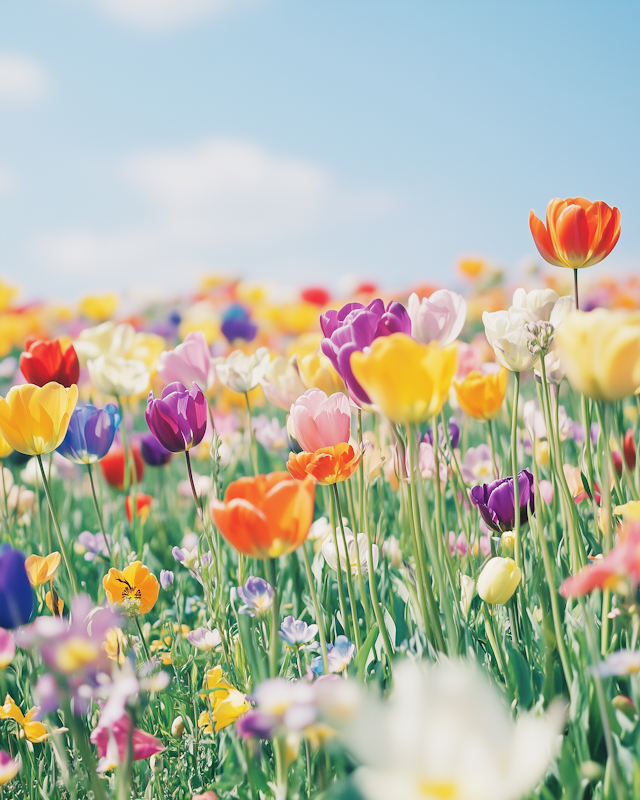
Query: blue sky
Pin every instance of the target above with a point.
(145, 142)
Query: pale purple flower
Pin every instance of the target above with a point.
(621, 662)
(204, 639)
(189, 362)
(339, 656)
(476, 466)
(94, 544)
(439, 317)
(282, 706)
(257, 595)
(192, 560)
(166, 578)
(427, 463)
(295, 632)
(270, 434)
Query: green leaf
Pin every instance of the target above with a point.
(363, 655)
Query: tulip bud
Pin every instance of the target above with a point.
(498, 580)
(467, 590)
(177, 728)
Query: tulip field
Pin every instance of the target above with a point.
(381, 546)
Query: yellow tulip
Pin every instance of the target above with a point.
(33, 730)
(99, 307)
(317, 372)
(481, 396)
(498, 580)
(42, 569)
(34, 420)
(601, 352)
(227, 702)
(5, 448)
(408, 381)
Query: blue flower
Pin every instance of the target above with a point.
(16, 594)
(339, 656)
(90, 433)
(295, 632)
(237, 324)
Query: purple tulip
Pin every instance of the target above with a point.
(16, 594)
(355, 327)
(178, 418)
(496, 503)
(152, 452)
(454, 435)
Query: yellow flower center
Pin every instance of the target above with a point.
(76, 653)
(439, 790)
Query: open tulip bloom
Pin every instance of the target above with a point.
(178, 418)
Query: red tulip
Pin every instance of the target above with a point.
(629, 447)
(112, 465)
(578, 233)
(43, 362)
(143, 506)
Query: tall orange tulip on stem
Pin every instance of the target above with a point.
(578, 233)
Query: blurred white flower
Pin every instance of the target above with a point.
(446, 732)
(121, 377)
(439, 317)
(331, 555)
(281, 383)
(204, 639)
(107, 339)
(242, 373)
(506, 333)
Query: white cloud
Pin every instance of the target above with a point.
(22, 80)
(158, 15)
(218, 202)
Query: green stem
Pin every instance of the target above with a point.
(252, 438)
(514, 470)
(317, 610)
(143, 640)
(63, 547)
(352, 599)
(343, 602)
(492, 444)
(96, 505)
(274, 641)
(377, 609)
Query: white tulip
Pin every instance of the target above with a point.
(281, 383)
(242, 373)
(439, 317)
(119, 376)
(446, 731)
(107, 339)
(331, 555)
(506, 333)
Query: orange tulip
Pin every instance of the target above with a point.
(578, 233)
(327, 465)
(266, 516)
(134, 587)
(481, 395)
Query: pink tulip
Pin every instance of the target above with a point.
(205, 796)
(439, 317)
(321, 421)
(112, 743)
(546, 491)
(190, 362)
(7, 648)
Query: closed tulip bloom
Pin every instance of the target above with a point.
(107, 339)
(544, 304)
(601, 352)
(498, 580)
(355, 327)
(134, 588)
(408, 381)
(328, 465)
(16, 594)
(317, 372)
(44, 361)
(178, 418)
(495, 501)
(439, 317)
(266, 516)
(320, 421)
(506, 333)
(481, 394)
(189, 362)
(34, 420)
(281, 383)
(90, 433)
(121, 377)
(242, 373)
(112, 465)
(578, 233)
(42, 569)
